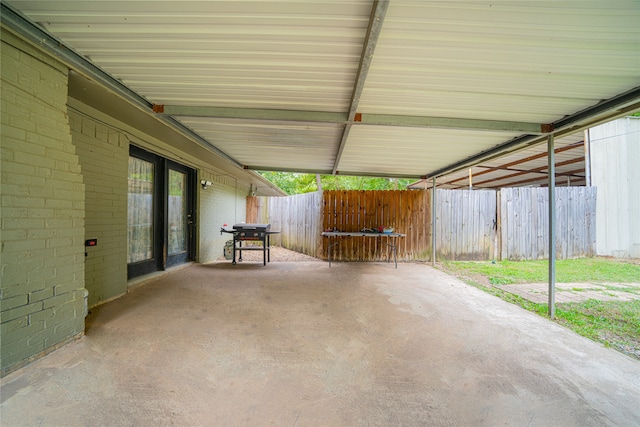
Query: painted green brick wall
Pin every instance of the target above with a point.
(42, 209)
(104, 154)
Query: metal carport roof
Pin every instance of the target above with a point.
(528, 167)
(383, 88)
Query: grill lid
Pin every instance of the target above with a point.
(257, 227)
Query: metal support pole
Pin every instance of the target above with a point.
(433, 223)
(552, 226)
(587, 157)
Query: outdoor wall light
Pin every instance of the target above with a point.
(206, 184)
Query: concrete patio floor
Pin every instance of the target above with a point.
(302, 344)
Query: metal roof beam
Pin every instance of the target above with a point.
(344, 118)
(453, 123)
(604, 111)
(376, 175)
(288, 170)
(328, 172)
(251, 113)
(378, 12)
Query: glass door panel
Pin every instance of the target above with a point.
(144, 213)
(177, 212)
(140, 211)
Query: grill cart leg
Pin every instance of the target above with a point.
(234, 251)
(264, 250)
(268, 248)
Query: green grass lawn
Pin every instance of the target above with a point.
(615, 324)
(594, 270)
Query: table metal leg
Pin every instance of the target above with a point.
(395, 255)
(393, 249)
(329, 250)
(331, 245)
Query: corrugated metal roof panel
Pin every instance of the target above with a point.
(281, 145)
(413, 150)
(520, 60)
(534, 62)
(293, 55)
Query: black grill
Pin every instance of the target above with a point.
(251, 232)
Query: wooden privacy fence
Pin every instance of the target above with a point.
(470, 224)
(466, 225)
(299, 218)
(408, 212)
(524, 222)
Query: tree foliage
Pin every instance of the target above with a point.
(299, 183)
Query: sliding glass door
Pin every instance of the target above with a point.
(160, 213)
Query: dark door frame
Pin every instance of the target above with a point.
(189, 255)
(161, 260)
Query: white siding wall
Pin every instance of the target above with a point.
(615, 171)
(225, 202)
